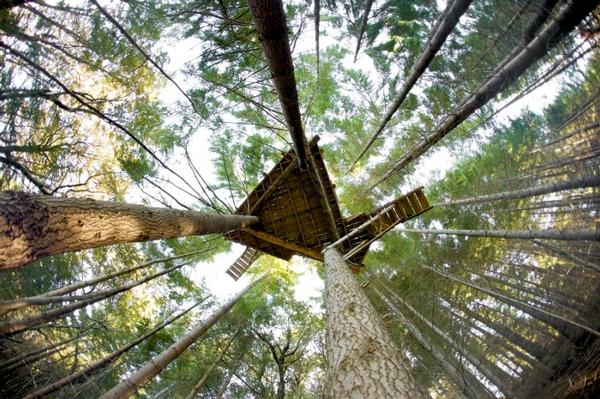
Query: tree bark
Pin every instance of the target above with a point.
(564, 235)
(96, 366)
(34, 226)
(468, 384)
(569, 17)
(363, 361)
(269, 19)
(590, 181)
(135, 381)
(442, 30)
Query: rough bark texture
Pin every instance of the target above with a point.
(363, 361)
(269, 19)
(135, 381)
(570, 16)
(34, 226)
(590, 181)
(442, 30)
(563, 235)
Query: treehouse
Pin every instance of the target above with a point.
(300, 215)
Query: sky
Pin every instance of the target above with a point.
(433, 166)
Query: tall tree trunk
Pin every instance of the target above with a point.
(568, 18)
(96, 366)
(213, 366)
(484, 366)
(590, 181)
(12, 327)
(468, 384)
(141, 376)
(440, 33)
(566, 235)
(363, 361)
(269, 19)
(34, 226)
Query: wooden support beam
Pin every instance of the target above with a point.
(270, 238)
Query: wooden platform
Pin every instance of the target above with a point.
(293, 220)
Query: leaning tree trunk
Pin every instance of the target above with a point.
(363, 361)
(569, 328)
(141, 376)
(34, 226)
(105, 361)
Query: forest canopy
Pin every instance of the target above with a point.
(491, 106)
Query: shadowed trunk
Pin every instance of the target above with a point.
(564, 235)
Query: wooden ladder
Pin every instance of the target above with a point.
(242, 263)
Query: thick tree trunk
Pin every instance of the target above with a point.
(363, 361)
(98, 365)
(467, 383)
(12, 327)
(34, 226)
(590, 181)
(200, 384)
(569, 17)
(135, 381)
(442, 30)
(565, 235)
(269, 19)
